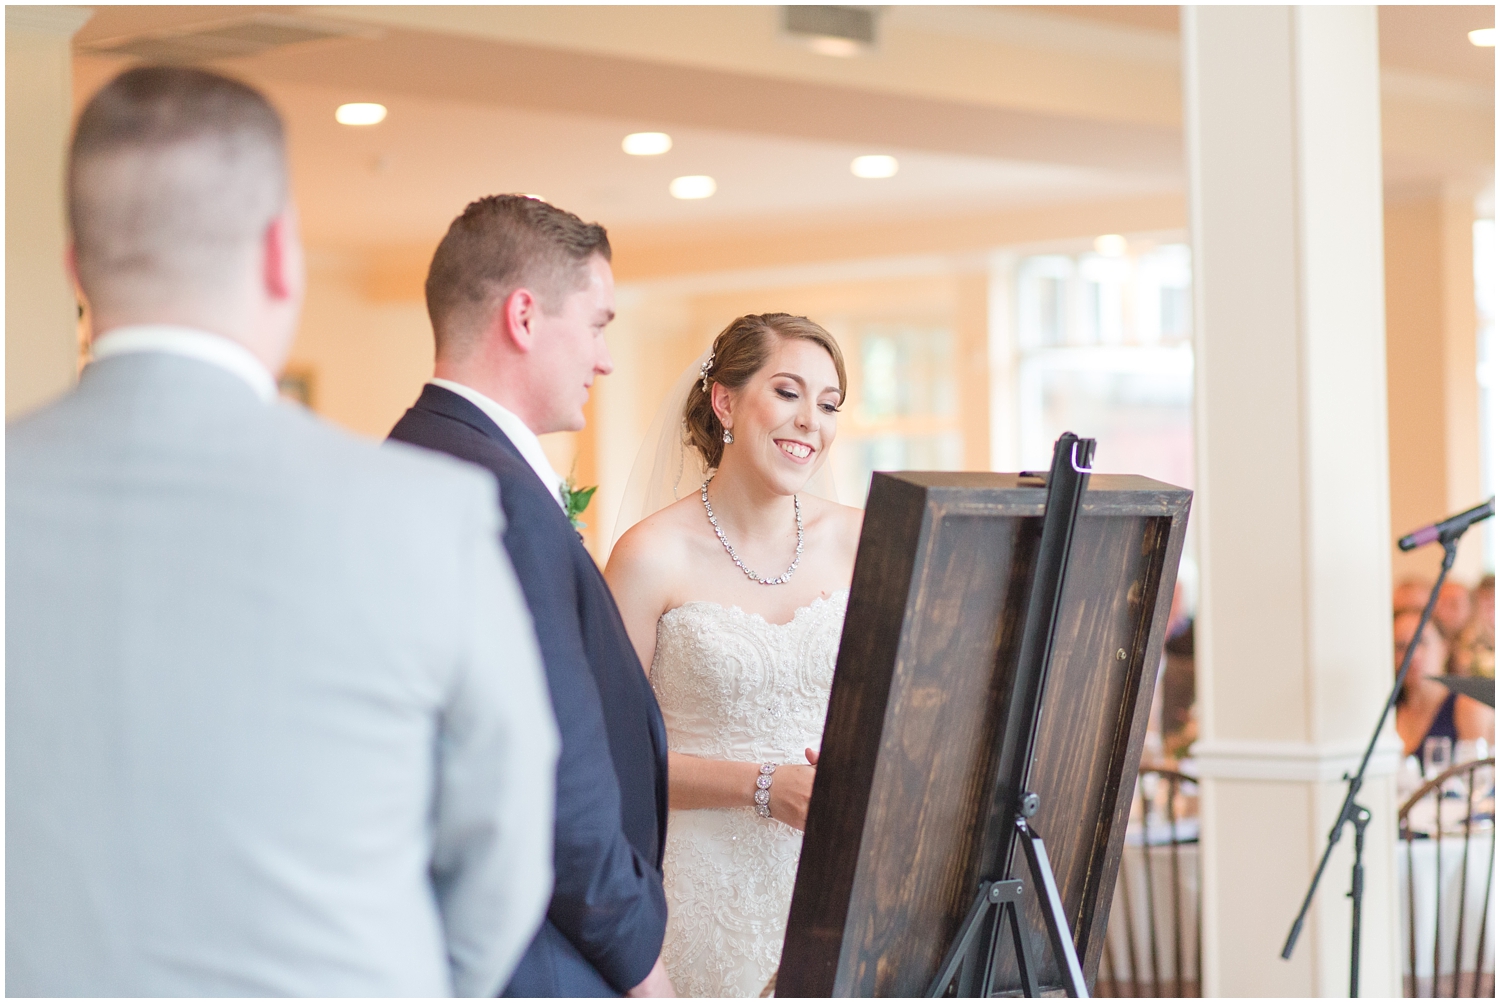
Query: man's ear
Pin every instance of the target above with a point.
(517, 317)
(70, 264)
(279, 257)
(722, 401)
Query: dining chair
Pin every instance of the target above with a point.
(1161, 799)
(1453, 813)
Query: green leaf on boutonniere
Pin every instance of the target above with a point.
(575, 500)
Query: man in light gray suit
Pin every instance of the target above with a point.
(275, 717)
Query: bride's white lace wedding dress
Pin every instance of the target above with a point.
(734, 686)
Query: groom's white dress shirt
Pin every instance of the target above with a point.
(515, 429)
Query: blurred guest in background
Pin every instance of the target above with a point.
(275, 719)
(1451, 614)
(1475, 648)
(1178, 686)
(1409, 594)
(1426, 708)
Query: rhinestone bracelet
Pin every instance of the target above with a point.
(763, 790)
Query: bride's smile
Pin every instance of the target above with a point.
(799, 451)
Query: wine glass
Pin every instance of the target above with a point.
(1437, 755)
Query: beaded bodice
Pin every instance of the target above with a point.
(732, 685)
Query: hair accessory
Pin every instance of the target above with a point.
(728, 437)
(704, 369)
(763, 790)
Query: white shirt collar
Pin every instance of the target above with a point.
(191, 343)
(515, 429)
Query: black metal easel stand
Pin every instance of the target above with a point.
(999, 903)
(1355, 814)
(972, 957)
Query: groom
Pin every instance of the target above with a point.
(519, 294)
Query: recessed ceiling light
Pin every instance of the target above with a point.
(646, 144)
(877, 165)
(832, 45)
(359, 113)
(841, 31)
(1111, 245)
(693, 186)
(1484, 37)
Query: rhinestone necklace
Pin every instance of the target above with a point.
(785, 575)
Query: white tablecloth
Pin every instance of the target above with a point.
(1438, 865)
(1159, 919)
(1424, 858)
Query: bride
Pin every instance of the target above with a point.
(734, 597)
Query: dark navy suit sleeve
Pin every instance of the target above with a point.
(607, 900)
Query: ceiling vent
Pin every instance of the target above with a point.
(830, 30)
(229, 39)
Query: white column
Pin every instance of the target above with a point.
(41, 314)
(1282, 114)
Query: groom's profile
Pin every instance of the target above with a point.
(519, 293)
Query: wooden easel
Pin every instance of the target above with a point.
(925, 761)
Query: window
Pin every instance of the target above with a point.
(903, 405)
(1103, 350)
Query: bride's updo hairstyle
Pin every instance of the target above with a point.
(740, 351)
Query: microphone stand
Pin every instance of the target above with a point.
(1356, 814)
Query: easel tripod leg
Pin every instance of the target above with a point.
(958, 960)
(1024, 960)
(1052, 911)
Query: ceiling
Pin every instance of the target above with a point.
(1429, 38)
(473, 113)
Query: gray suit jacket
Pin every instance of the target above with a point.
(275, 717)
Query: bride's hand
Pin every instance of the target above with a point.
(790, 793)
(789, 800)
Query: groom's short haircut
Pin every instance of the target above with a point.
(173, 176)
(499, 244)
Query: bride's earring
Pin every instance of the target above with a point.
(728, 437)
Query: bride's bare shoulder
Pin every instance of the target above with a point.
(656, 542)
(845, 520)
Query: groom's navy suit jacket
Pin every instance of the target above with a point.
(608, 914)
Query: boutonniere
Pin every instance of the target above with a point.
(575, 500)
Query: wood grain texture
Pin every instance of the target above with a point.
(902, 826)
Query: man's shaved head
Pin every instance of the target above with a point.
(173, 176)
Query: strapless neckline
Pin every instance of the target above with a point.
(797, 613)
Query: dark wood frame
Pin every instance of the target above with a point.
(902, 808)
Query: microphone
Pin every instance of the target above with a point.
(1450, 528)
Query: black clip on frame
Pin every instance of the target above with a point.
(972, 958)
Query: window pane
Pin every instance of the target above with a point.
(855, 462)
(1042, 294)
(1142, 419)
(907, 371)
